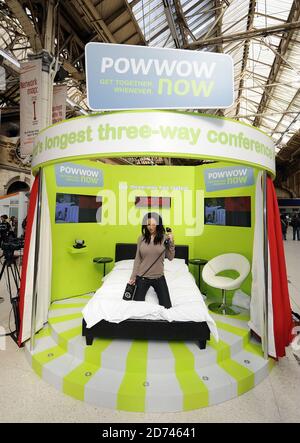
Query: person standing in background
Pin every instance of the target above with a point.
(13, 225)
(284, 225)
(24, 223)
(296, 226)
(4, 228)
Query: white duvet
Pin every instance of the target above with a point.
(187, 301)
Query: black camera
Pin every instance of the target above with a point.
(12, 245)
(167, 241)
(129, 292)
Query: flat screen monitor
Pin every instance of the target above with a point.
(74, 208)
(228, 211)
(153, 202)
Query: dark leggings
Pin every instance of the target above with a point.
(160, 286)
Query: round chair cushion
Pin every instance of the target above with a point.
(226, 262)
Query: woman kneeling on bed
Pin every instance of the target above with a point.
(153, 246)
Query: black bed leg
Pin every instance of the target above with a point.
(202, 344)
(89, 340)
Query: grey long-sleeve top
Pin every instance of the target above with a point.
(146, 254)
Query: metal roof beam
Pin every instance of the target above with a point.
(200, 11)
(183, 26)
(118, 15)
(171, 22)
(68, 39)
(266, 114)
(227, 49)
(93, 17)
(272, 17)
(10, 95)
(134, 20)
(292, 122)
(251, 11)
(218, 22)
(16, 8)
(293, 18)
(285, 27)
(218, 32)
(278, 54)
(67, 27)
(133, 3)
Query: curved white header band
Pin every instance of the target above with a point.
(162, 133)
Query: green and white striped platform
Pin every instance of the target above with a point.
(146, 376)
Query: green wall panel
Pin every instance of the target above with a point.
(75, 274)
(216, 240)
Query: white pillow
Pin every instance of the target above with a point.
(174, 265)
(117, 276)
(124, 264)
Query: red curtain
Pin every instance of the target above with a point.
(28, 236)
(282, 314)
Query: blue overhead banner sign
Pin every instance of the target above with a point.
(72, 174)
(138, 77)
(217, 179)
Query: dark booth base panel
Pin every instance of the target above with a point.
(133, 329)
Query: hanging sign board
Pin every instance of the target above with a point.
(138, 77)
(163, 133)
(30, 104)
(59, 103)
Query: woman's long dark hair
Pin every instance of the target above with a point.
(160, 230)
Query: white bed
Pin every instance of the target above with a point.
(187, 301)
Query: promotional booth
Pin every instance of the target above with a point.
(81, 208)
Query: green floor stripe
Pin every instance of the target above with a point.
(45, 332)
(41, 358)
(75, 298)
(74, 382)
(94, 353)
(271, 363)
(243, 317)
(222, 348)
(195, 392)
(244, 333)
(254, 349)
(66, 306)
(233, 329)
(62, 318)
(64, 337)
(243, 376)
(132, 391)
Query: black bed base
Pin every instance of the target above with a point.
(149, 330)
